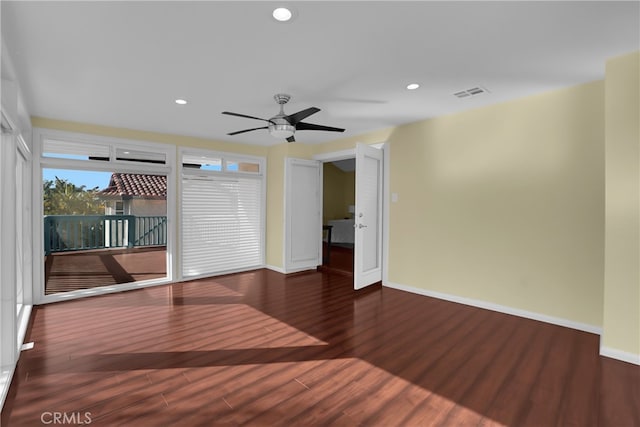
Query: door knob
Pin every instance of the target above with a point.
(362, 226)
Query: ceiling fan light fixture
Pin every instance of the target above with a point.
(281, 130)
(282, 14)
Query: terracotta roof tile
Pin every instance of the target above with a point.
(136, 185)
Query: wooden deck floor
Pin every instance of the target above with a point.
(89, 269)
(261, 348)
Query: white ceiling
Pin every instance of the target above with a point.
(124, 63)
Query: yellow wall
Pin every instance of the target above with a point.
(275, 205)
(504, 204)
(349, 190)
(621, 328)
(275, 197)
(338, 192)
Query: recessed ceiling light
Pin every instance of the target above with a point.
(413, 86)
(181, 101)
(282, 14)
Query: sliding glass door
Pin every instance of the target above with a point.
(15, 249)
(102, 228)
(104, 214)
(23, 231)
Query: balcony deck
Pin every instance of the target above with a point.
(68, 271)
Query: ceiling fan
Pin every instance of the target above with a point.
(282, 125)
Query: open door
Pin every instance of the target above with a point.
(368, 217)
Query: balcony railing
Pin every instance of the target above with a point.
(64, 233)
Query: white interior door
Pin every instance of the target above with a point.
(303, 224)
(368, 217)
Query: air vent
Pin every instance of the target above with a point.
(474, 91)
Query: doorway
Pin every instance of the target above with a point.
(370, 213)
(338, 209)
(367, 217)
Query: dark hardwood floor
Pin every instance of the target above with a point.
(339, 259)
(261, 348)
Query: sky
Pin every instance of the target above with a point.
(90, 179)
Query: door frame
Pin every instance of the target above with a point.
(351, 154)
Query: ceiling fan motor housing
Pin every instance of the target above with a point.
(279, 126)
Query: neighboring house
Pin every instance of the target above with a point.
(135, 194)
(142, 196)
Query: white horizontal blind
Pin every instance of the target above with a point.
(221, 224)
(55, 148)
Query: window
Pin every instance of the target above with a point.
(131, 155)
(74, 150)
(90, 150)
(222, 214)
(217, 163)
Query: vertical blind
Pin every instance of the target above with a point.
(221, 224)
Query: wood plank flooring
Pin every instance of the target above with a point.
(261, 348)
(339, 261)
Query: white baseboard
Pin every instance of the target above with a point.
(6, 372)
(6, 375)
(499, 308)
(24, 323)
(276, 269)
(620, 355)
(291, 271)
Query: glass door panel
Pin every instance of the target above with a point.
(103, 228)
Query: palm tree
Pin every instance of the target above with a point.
(62, 197)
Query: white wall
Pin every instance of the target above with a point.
(16, 139)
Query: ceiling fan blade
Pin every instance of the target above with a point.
(301, 115)
(311, 126)
(247, 130)
(229, 113)
(291, 139)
